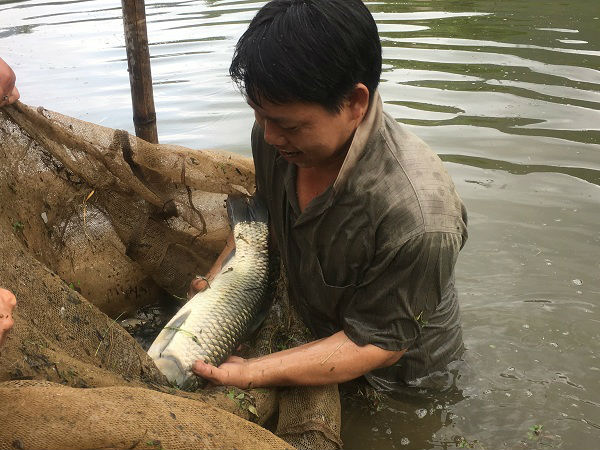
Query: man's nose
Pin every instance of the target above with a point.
(273, 134)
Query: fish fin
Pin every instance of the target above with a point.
(246, 209)
(258, 319)
(167, 334)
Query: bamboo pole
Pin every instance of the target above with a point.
(140, 75)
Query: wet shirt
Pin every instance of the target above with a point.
(374, 254)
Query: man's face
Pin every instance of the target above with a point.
(307, 134)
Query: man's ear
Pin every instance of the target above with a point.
(359, 102)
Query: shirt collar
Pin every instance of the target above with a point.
(371, 122)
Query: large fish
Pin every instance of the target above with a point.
(213, 323)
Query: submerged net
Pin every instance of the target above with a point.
(96, 224)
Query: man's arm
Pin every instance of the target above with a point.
(330, 360)
(199, 283)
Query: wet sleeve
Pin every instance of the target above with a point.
(401, 288)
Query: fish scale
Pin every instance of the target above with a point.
(214, 322)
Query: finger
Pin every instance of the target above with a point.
(7, 298)
(208, 371)
(11, 96)
(6, 324)
(14, 96)
(198, 284)
(12, 301)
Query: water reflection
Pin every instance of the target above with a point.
(507, 92)
(589, 175)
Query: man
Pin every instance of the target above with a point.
(366, 219)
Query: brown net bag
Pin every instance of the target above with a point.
(309, 417)
(96, 223)
(119, 417)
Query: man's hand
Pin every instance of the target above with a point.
(231, 373)
(8, 91)
(7, 304)
(198, 284)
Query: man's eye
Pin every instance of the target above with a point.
(291, 129)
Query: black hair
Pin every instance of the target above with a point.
(312, 51)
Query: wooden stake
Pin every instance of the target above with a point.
(140, 75)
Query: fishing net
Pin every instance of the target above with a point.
(96, 224)
(118, 417)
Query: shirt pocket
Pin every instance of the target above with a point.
(324, 302)
(329, 281)
(326, 297)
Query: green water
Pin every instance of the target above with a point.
(507, 92)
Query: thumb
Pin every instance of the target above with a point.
(14, 95)
(204, 370)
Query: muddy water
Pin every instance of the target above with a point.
(508, 93)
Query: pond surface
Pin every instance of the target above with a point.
(507, 92)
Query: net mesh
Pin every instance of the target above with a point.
(96, 224)
(117, 417)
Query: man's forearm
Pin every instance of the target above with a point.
(326, 361)
(334, 359)
(216, 268)
(201, 283)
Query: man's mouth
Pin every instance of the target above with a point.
(288, 153)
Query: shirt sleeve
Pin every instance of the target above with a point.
(400, 290)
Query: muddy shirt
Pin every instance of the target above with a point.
(374, 254)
